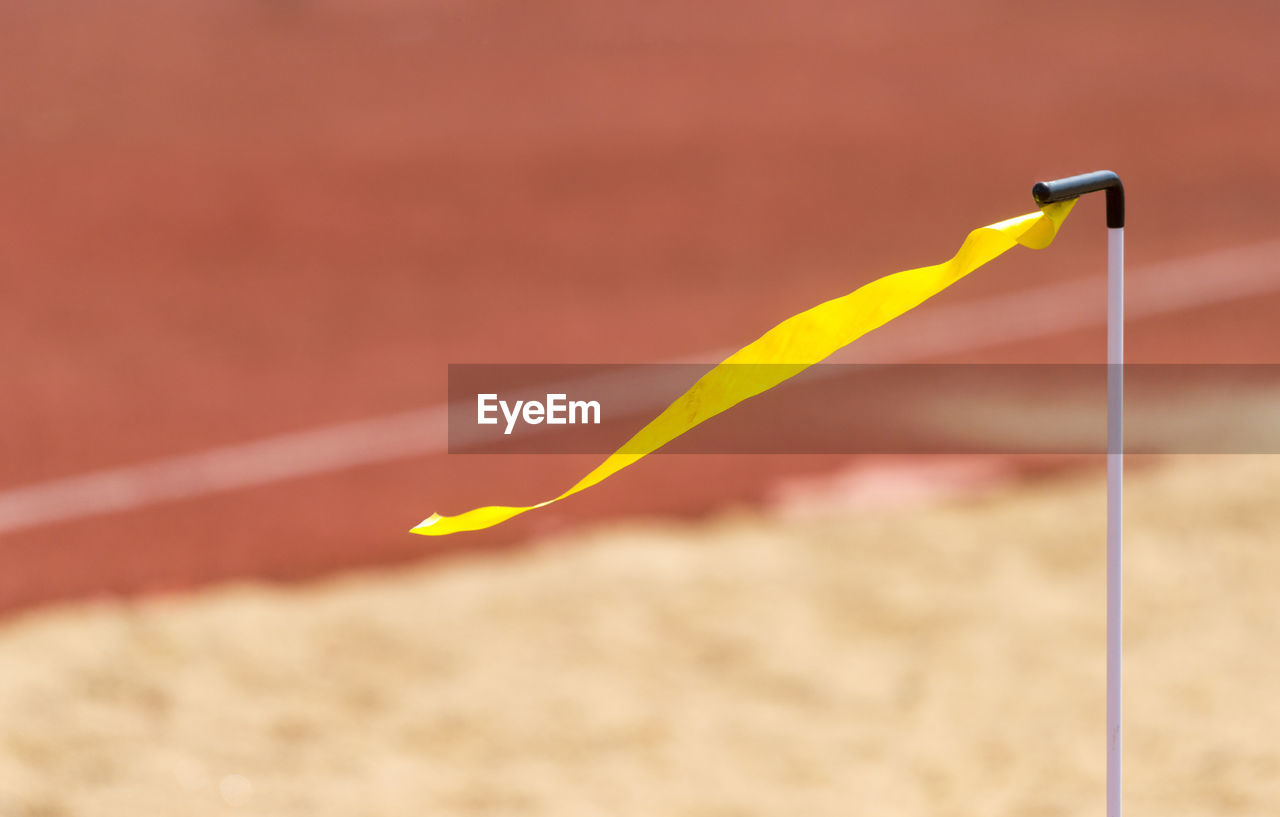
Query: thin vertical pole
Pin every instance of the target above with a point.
(1062, 190)
(1115, 506)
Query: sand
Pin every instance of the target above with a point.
(930, 660)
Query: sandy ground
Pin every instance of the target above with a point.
(939, 661)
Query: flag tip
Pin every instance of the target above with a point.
(426, 523)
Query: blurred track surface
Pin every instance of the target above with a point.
(224, 223)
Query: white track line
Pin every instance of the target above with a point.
(1185, 283)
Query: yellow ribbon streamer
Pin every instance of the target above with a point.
(791, 347)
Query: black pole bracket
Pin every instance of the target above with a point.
(1075, 186)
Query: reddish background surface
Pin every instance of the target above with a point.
(224, 221)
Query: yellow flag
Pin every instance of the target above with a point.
(789, 348)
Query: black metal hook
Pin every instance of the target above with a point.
(1075, 186)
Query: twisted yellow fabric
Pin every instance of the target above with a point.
(791, 347)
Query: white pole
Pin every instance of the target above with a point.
(1115, 507)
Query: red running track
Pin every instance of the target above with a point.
(225, 222)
